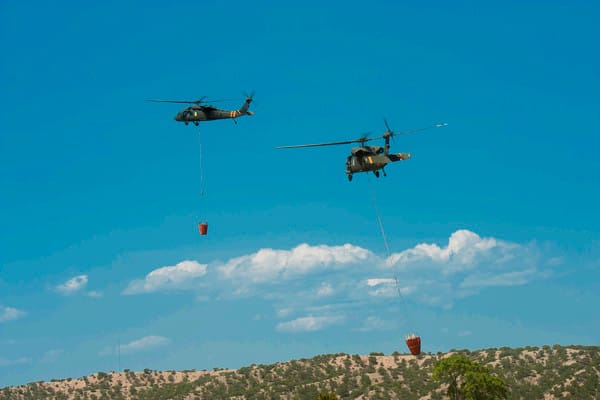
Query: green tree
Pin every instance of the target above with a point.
(468, 380)
(326, 396)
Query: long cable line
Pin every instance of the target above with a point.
(387, 248)
(200, 161)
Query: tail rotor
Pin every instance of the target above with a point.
(249, 96)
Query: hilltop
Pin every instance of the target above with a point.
(530, 372)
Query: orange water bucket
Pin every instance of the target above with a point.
(414, 344)
(203, 228)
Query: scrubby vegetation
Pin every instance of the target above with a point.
(529, 373)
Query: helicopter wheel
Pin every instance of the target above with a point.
(196, 123)
(376, 173)
(350, 177)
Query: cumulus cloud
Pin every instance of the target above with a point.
(268, 264)
(144, 344)
(181, 276)
(428, 273)
(468, 263)
(465, 249)
(73, 285)
(386, 287)
(297, 280)
(308, 324)
(10, 313)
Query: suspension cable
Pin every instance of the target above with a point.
(387, 248)
(200, 160)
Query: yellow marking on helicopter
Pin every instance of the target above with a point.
(370, 160)
(195, 113)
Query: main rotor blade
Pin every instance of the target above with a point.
(421, 129)
(387, 126)
(219, 100)
(199, 101)
(359, 140)
(172, 101)
(316, 144)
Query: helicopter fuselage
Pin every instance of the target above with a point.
(198, 113)
(370, 159)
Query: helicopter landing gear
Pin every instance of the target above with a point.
(350, 177)
(186, 122)
(383, 170)
(196, 123)
(376, 173)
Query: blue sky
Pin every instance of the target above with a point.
(493, 223)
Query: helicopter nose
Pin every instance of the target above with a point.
(177, 117)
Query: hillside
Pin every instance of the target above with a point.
(530, 372)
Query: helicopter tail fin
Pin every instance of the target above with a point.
(244, 109)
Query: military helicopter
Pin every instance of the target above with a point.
(202, 111)
(370, 158)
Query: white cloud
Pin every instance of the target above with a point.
(386, 287)
(380, 281)
(268, 264)
(308, 324)
(297, 281)
(325, 290)
(464, 333)
(10, 313)
(464, 249)
(374, 323)
(382, 287)
(144, 344)
(4, 362)
(177, 277)
(51, 355)
(468, 263)
(429, 273)
(94, 294)
(284, 312)
(73, 285)
(511, 278)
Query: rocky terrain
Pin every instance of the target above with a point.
(531, 373)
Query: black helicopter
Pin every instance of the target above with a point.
(201, 111)
(370, 158)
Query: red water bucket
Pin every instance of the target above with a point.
(414, 344)
(203, 228)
